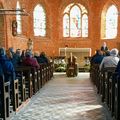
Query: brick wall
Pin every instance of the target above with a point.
(54, 40)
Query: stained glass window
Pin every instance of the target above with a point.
(39, 21)
(75, 21)
(84, 25)
(111, 22)
(66, 25)
(18, 18)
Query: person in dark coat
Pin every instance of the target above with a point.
(42, 58)
(118, 68)
(98, 57)
(17, 58)
(7, 66)
(104, 47)
(30, 61)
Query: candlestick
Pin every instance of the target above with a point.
(65, 52)
(71, 56)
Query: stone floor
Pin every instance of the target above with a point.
(65, 98)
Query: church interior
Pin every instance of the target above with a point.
(59, 59)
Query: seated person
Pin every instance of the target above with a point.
(117, 70)
(11, 50)
(107, 53)
(17, 58)
(97, 59)
(116, 74)
(22, 55)
(42, 58)
(110, 61)
(1, 74)
(7, 66)
(30, 61)
(8, 70)
(104, 47)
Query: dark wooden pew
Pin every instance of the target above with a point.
(46, 72)
(14, 95)
(94, 75)
(4, 99)
(34, 79)
(39, 79)
(117, 99)
(108, 86)
(51, 69)
(43, 74)
(22, 86)
(106, 73)
(26, 72)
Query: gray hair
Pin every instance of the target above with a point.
(114, 52)
(28, 54)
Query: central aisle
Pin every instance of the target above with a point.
(64, 98)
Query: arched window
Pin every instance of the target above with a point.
(18, 18)
(111, 22)
(39, 21)
(75, 21)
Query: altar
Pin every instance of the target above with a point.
(79, 53)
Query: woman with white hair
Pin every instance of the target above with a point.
(110, 61)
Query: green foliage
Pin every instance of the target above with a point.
(60, 67)
(87, 67)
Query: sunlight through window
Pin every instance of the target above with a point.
(18, 18)
(75, 21)
(111, 22)
(39, 21)
(66, 25)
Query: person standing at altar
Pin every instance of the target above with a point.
(104, 47)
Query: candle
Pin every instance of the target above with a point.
(65, 51)
(71, 57)
(90, 52)
(53, 52)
